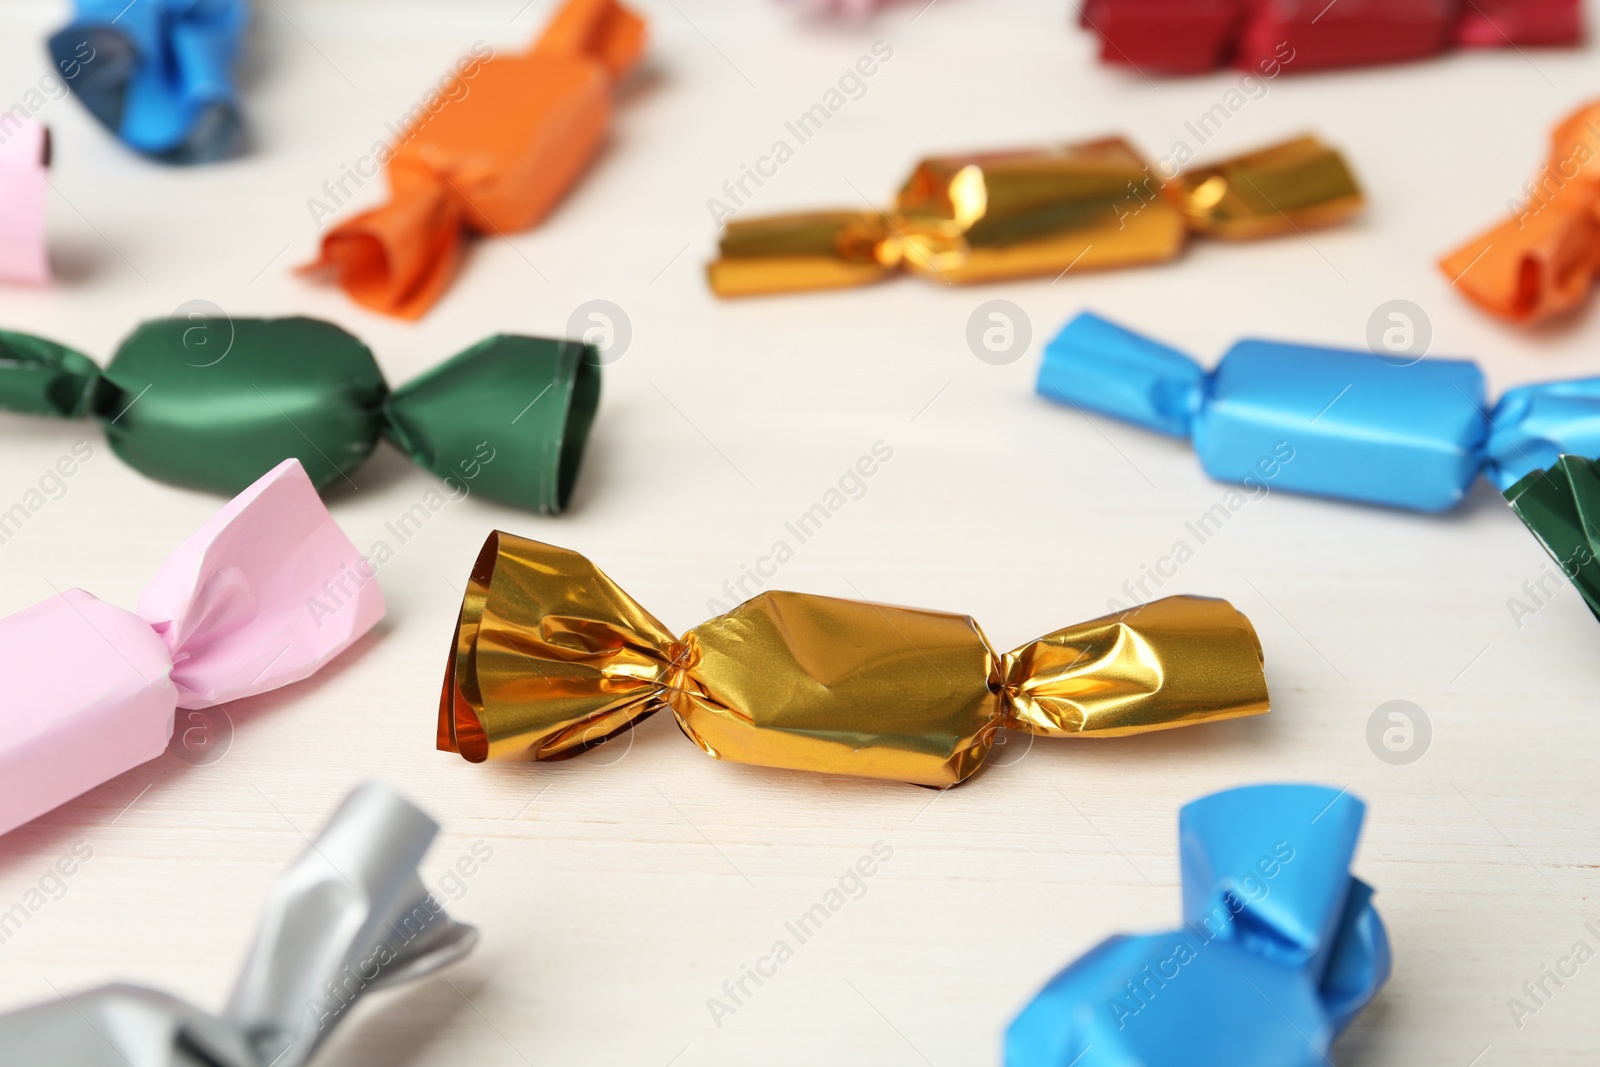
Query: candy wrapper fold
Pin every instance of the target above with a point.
(212, 403)
(1539, 23)
(551, 658)
(1324, 421)
(1561, 508)
(495, 161)
(1279, 951)
(24, 189)
(229, 615)
(1541, 262)
(350, 917)
(1271, 37)
(985, 217)
(158, 73)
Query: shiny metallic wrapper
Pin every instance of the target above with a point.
(1542, 261)
(552, 658)
(1297, 185)
(350, 917)
(1038, 213)
(981, 218)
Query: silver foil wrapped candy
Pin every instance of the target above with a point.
(350, 917)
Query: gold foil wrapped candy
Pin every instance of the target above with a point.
(551, 658)
(979, 218)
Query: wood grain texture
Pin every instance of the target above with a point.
(624, 888)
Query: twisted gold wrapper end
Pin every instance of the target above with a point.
(552, 658)
(1175, 662)
(816, 250)
(1298, 185)
(985, 217)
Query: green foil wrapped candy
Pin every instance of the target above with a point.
(531, 400)
(214, 403)
(39, 377)
(1562, 508)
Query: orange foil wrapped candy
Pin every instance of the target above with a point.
(494, 161)
(979, 218)
(551, 658)
(1542, 261)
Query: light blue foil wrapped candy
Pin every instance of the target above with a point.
(1280, 949)
(1325, 421)
(158, 73)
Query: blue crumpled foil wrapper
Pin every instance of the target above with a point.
(1280, 949)
(158, 73)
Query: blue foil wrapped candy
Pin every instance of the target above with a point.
(1325, 421)
(1279, 951)
(158, 73)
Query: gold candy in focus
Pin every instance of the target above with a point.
(552, 658)
(978, 218)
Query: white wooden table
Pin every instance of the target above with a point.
(624, 888)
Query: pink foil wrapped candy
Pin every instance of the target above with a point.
(264, 594)
(24, 157)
